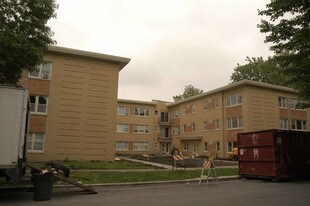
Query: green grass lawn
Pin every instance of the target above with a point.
(96, 177)
(145, 176)
(98, 165)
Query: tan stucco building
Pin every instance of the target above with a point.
(73, 105)
(75, 113)
(208, 124)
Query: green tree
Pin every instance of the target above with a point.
(288, 29)
(189, 91)
(258, 69)
(24, 36)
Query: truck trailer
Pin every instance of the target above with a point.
(14, 118)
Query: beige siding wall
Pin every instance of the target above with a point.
(80, 124)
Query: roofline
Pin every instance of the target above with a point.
(234, 85)
(123, 61)
(136, 102)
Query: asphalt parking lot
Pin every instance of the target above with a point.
(232, 192)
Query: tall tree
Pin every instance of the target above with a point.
(189, 91)
(258, 69)
(24, 36)
(288, 29)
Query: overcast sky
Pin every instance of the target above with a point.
(171, 43)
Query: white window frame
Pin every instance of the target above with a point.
(205, 125)
(36, 105)
(32, 140)
(122, 145)
(206, 146)
(122, 128)
(217, 103)
(217, 124)
(40, 73)
(282, 102)
(303, 124)
(193, 109)
(230, 123)
(233, 100)
(205, 105)
(185, 146)
(283, 123)
(141, 146)
(176, 114)
(296, 104)
(142, 112)
(123, 110)
(141, 129)
(176, 130)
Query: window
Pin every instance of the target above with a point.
(176, 114)
(38, 104)
(299, 124)
(206, 146)
(122, 128)
(189, 127)
(218, 146)
(233, 100)
(189, 109)
(205, 105)
(185, 146)
(43, 71)
(141, 146)
(283, 123)
(156, 112)
(296, 104)
(193, 127)
(217, 124)
(35, 142)
(193, 108)
(121, 145)
(141, 129)
(235, 123)
(217, 103)
(164, 117)
(231, 146)
(144, 112)
(122, 110)
(282, 102)
(176, 130)
(205, 125)
(211, 104)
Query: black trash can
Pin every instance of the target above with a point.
(43, 186)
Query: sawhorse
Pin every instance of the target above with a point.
(210, 166)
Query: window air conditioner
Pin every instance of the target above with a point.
(45, 76)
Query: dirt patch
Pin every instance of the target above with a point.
(188, 162)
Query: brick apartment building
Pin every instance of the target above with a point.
(207, 124)
(75, 113)
(73, 102)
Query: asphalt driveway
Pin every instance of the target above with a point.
(232, 192)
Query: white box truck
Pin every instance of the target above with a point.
(14, 116)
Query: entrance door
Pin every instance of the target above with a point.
(165, 148)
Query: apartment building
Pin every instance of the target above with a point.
(142, 127)
(208, 123)
(73, 99)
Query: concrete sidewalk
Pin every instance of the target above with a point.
(169, 167)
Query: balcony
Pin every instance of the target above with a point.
(164, 139)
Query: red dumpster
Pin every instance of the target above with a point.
(276, 154)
